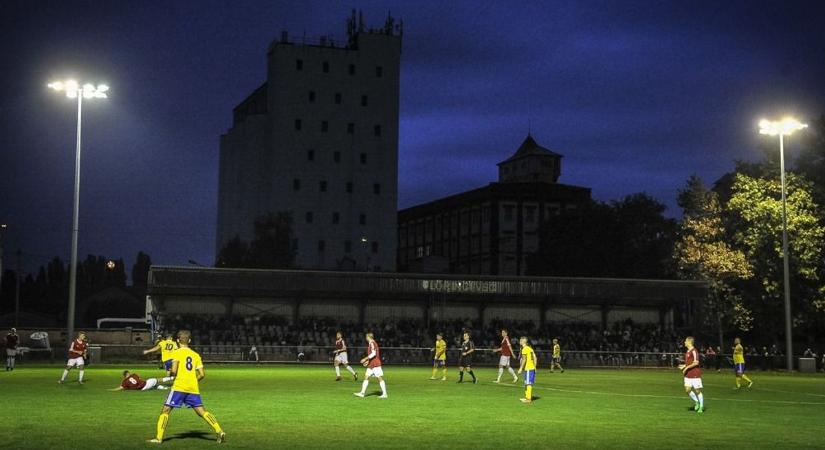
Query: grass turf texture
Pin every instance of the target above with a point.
(302, 407)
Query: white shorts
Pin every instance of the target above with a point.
(76, 362)
(11, 352)
(150, 384)
(695, 383)
(504, 361)
(375, 372)
(342, 358)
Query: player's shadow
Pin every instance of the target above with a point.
(373, 394)
(192, 435)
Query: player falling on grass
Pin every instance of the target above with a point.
(439, 357)
(77, 355)
(373, 364)
(340, 357)
(739, 364)
(166, 347)
(506, 349)
(465, 361)
(188, 371)
(693, 376)
(529, 362)
(12, 341)
(133, 382)
(556, 357)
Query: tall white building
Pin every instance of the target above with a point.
(320, 139)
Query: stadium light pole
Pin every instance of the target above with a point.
(784, 128)
(75, 91)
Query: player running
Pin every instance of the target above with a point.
(465, 361)
(693, 376)
(77, 352)
(12, 341)
(439, 356)
(556, 357)
(166, 347)
(373, 364)
(187, 369)
(133, 382)
(739, 364)
(528, 365)
(341, 357)
(506, 349)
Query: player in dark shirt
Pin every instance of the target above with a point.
(12, 341)
(133, 382)
(465, 361)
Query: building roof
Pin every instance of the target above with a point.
(529, 148)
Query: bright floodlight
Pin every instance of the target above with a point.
(73, 89)
(784, 127)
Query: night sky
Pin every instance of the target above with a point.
(637, 96)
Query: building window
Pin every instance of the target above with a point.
(337, 98)
(376, 130)
(419, 252)
(530, 214)
(347, 246)
(296, 185)
(508, 213)
(376, 188)
(299, 64)
(322, 245)
(362, 219)
(312, 96)
(323, 185)
(295, 244)
(352, 69)
(310, 155)
(374, 247)
(309, 217)
(324, 126)
(336, 217)
(364, 100)
(325, 67)
(379, 71)
(297, 124)
(336, 156)
(349, 187)
(350, 128)
(363, 158)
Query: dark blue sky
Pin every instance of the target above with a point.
(636, 95)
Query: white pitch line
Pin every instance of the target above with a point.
(618, 394)
(790, 392)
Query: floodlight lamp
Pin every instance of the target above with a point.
(57, 85)
(102, 87)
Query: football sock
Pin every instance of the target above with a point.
(528, 392)
(434, 369)
(65, 374)
(351, 370)
(738, 383)
(162, 421)
(383, 387)
(473, 375)
(461, 376)
(364, 385)
(210, 419)
(701, 398)
(693, 396)
(12, 362)
(512, 372)
(500, 371)
(337, 371)
(744, 377)
(167, 379)
(80, 375)
(445, 372)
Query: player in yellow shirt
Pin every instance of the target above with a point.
(187, 368)
(166, 347)
(529, 362)
(556, 357)
(440, 357)
(739, 363)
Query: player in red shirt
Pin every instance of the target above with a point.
(77, 352)
(133, 382)
(373, 364)
(12, 341)
(693, 376)
(340, 357)
(506, 350)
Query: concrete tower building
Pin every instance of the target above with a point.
(320, 139)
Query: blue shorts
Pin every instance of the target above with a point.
(529, 377)
(168, 364)
(739, 368)
(179, 399)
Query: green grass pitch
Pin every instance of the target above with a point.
(302, 407)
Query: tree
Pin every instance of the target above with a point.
(233, 253)
(140, 270)
(271, 248)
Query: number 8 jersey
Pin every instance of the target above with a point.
(189, 362)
